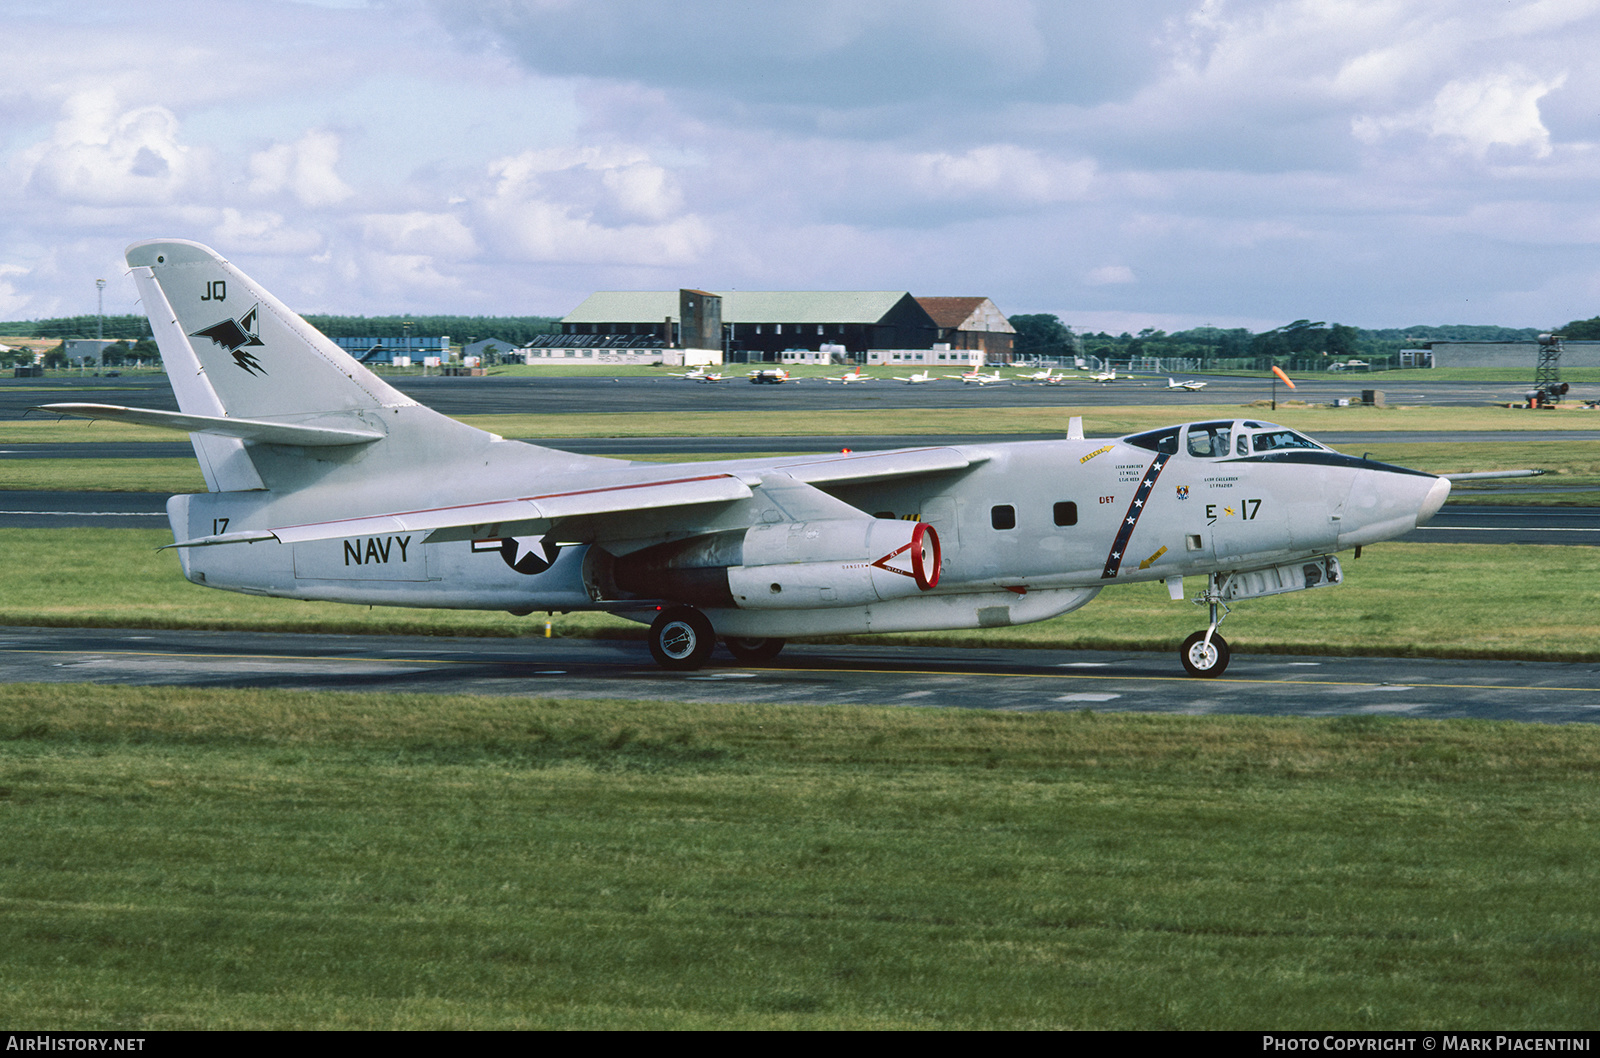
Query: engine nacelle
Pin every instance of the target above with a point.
(789, 565)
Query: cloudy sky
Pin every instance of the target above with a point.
(1165, 163)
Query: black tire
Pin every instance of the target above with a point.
(753, 651)
(681, 639)
(1198, 661)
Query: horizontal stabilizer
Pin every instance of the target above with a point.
(522, 515)
(838, 470)
(278, 433)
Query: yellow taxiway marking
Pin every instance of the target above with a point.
(1198, 682)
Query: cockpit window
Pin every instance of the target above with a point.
(1157, 440)
(1278, 437)
(1209, 440)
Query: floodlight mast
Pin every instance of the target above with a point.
(100, 309)
(1548, 389)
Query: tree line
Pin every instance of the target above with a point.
(1304, 342)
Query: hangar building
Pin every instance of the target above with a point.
(775, 326)
(973, 323)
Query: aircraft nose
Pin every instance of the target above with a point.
(1437, 494)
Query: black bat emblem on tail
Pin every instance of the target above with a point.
(236, 336)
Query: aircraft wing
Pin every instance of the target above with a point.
(522, 515)
(527, 515)
(262, 430)
(845, 469)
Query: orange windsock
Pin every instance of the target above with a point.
(1276, 370)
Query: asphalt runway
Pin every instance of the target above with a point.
(809, 675)
(500, 394)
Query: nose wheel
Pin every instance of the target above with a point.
(1205, 654)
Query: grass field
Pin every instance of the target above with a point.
(1423, 600)
(189, 859)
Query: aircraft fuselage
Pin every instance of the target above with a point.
(1026, 531)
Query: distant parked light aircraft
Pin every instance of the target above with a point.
(851, 376)
(1191, 385)
(771, 376)
(979, 378)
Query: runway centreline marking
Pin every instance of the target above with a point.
(856, 671)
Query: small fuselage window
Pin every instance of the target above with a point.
(1066, 513)
(1003, 517)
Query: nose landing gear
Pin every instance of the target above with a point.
(1206, 654)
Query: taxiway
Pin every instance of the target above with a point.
(812, 675)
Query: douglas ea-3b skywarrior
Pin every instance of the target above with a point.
(327, 483)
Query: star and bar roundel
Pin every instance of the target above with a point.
(528, 555)
(1125, 530)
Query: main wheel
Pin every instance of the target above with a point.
(1202, 660)
(681, 639)
(753, 651)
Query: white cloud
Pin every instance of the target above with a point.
(441, 234)
(12, 303)
(1108, 275)
(1498, 109)
(306, 169)
(591, 205)
(101, 154)
(1477, 114)
(263, 231)
(1004, 171)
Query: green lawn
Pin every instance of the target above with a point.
(1398, 599)
(183, 859)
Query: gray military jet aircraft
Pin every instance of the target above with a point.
(327, 483)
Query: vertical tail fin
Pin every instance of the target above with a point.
(231, 348)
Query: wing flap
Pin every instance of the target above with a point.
(261, 430)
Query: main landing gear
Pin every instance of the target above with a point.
(1206, 654)
(681, 639)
